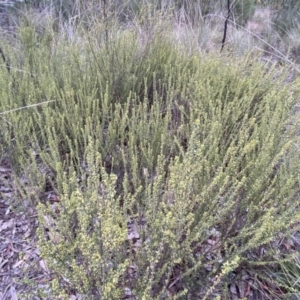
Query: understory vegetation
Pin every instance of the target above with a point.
(175, 167)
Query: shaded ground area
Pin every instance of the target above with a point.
(19, 256)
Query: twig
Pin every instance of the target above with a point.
(226, 24)
(5, 60)
(106, 22)
(19, 108)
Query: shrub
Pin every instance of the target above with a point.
(173, 171)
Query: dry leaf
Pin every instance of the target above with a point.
(7, 224)
(44, 266)
(18, 263)
(133, 232)
(13, 293)
(233, 289)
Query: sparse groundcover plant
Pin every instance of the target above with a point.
(195, 11)
(243, 10)
(286, 15)
(288, 275)
(174, 173)
(281, 281)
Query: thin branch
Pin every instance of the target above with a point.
(226, 24)
(5, 60)
(28, 106)
(105, 21)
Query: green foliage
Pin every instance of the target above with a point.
(196, 11)
(243, 10)
(91, 254)
(286, 16)
(172, 169)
